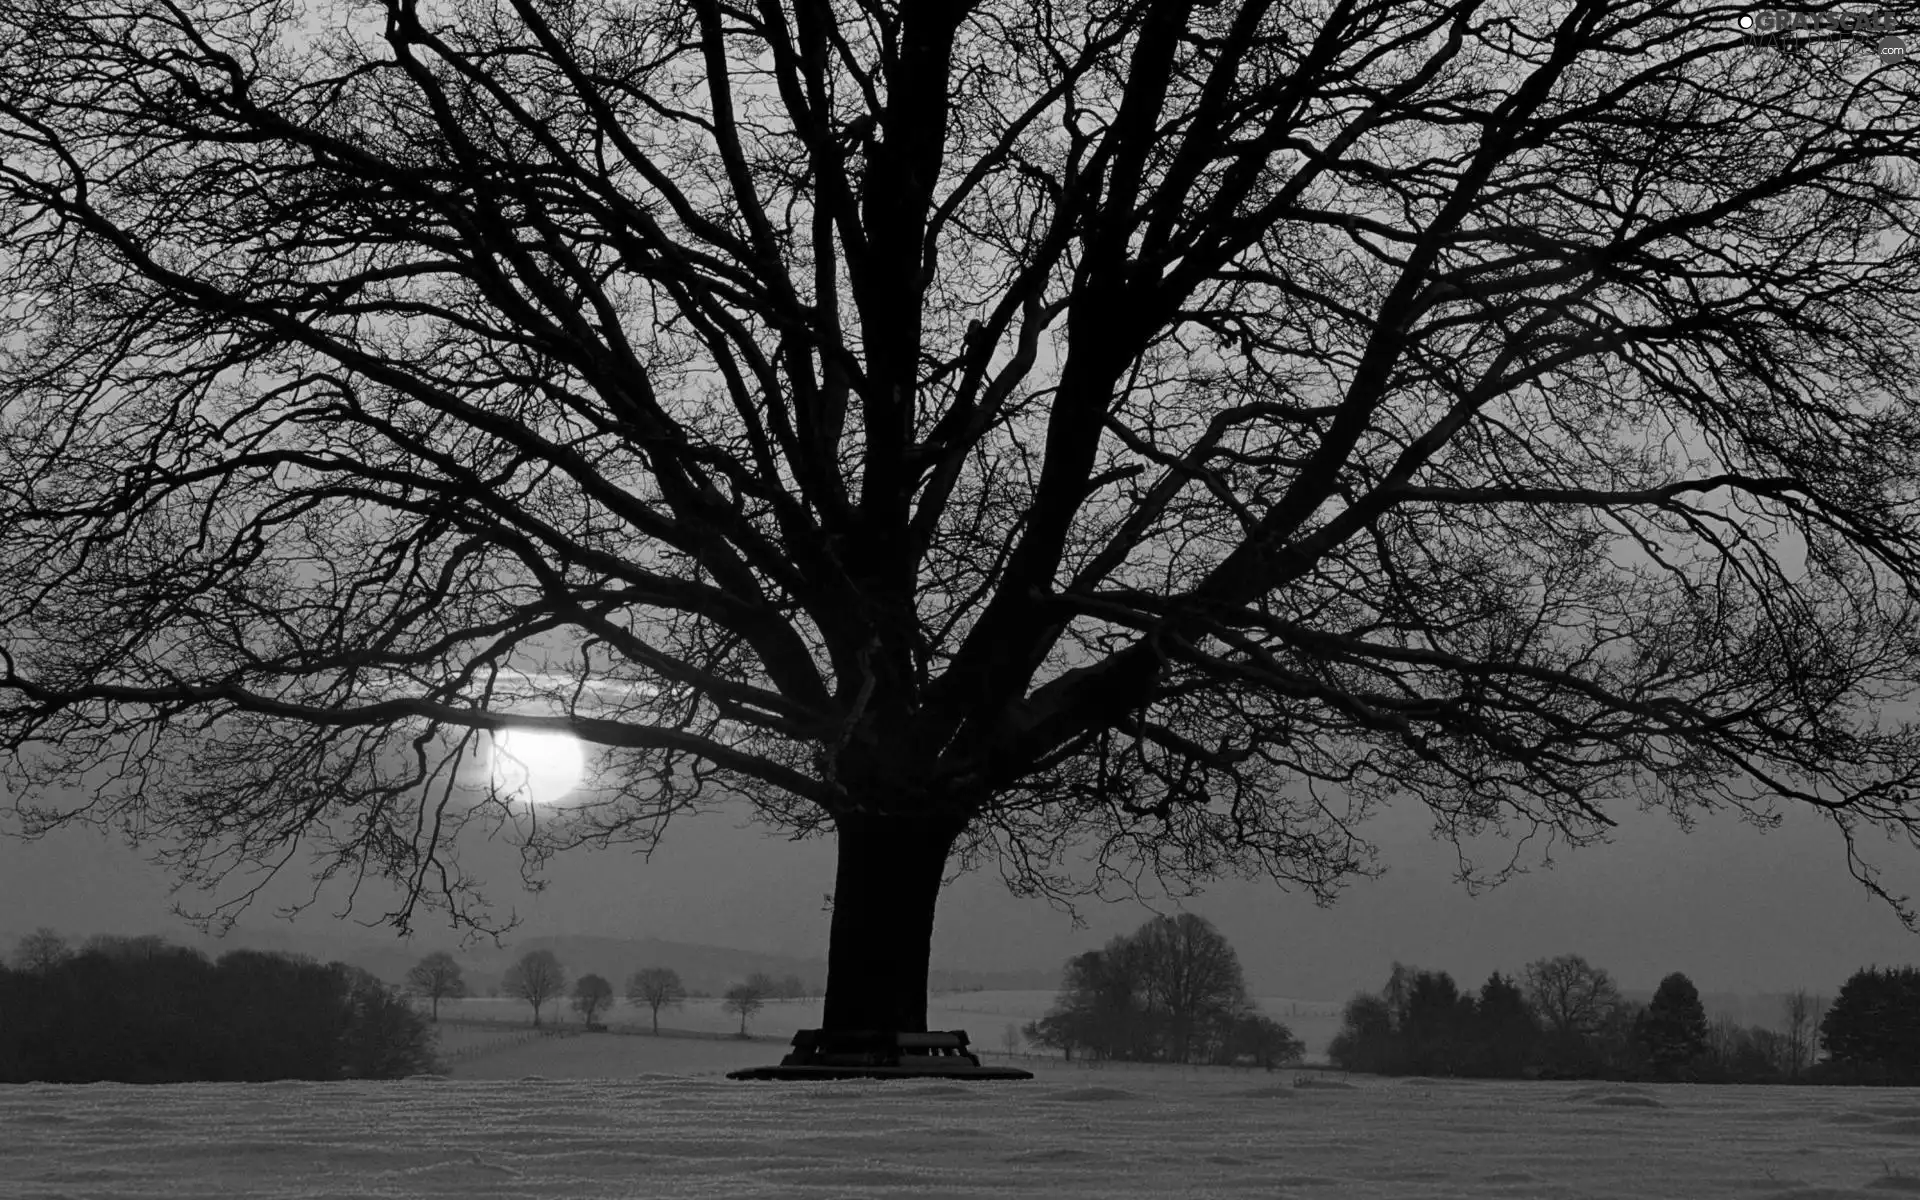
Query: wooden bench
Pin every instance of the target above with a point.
(879, 1054)
(877, 1048)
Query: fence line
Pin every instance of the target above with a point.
(505, 1042)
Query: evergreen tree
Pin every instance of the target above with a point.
(1673, 1029)
(1507, 1034)
(1873, 1029)
(1438, 1025)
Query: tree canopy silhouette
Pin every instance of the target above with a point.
(1872, 1031)
(985, 430)
(1172, 991)
(591, 995)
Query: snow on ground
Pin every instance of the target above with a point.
(671, 1126)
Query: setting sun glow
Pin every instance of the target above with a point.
(539, 768)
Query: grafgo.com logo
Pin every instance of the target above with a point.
(1775, 26)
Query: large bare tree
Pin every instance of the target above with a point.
(985, 430)
(1573, 998)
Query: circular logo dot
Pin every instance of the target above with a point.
(1746, 22)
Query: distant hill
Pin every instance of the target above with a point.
(711, 969)
(702, 968)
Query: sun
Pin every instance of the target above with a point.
(539, 768)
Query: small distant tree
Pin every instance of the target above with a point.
(591, 993)
(1618, 1049)
(792, 987)
(437, 977)
(1102, 1005)
(745, 999)
(1576, 1001)
(1799, 1009)
(144, 947)
(1010, 1039)
(655, 988)
(1398, 993)
(1723, 1043)
(1769, 1051)
(1743, 1054)
(40, 952)
(1673, 1029)
(1050, 1033)
(1365, 1040)
(1263, 1040)
(765, 984)
(537, 978)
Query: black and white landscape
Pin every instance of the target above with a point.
(1409, 503)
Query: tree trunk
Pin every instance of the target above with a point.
(884, 892)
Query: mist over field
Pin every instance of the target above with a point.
(984, 1015)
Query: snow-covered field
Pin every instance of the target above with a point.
(670, 1126)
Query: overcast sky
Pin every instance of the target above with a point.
(1736, 909)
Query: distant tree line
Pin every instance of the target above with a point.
(538, 977)
(1171, 992)
(141, 1010)
(1565, 1018)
